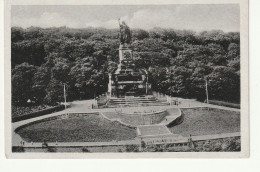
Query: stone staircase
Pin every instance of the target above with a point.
(129, 101)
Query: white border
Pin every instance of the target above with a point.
(244, 83)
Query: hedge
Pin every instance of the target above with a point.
(221, 103)
(38, 113)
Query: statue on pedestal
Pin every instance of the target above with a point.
(125, 33)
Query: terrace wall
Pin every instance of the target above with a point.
(176, 121)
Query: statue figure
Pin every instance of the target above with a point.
(125, 33)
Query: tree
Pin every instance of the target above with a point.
(79, 74)
(17, 34)
(197, 82)
(141, 34)
(54, 92)
(60, 70)
(176, 60)
(169, 35)
(22, 81)
(41, 80)
(97, 83)
(235, 64)
(224, 84)
(180, 81)
(59, 75)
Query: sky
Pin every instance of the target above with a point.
(190, 17)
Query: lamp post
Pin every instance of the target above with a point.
(171, 86)
(207, 94)
(64, 92)
(146, 85)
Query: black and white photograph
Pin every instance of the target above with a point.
(136, 79)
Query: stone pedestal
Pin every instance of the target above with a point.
(127, 79)
(125, 53)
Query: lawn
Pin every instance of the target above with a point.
(89, 128)
(201, 121)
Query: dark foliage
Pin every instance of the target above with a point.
(232, 144)
(29, 108)
(17, 149)
(85, 149)
(43, 60)
(38, 113)
(132, 148)
(52, 149)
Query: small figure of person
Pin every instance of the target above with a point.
(190, 142)
(44, 144)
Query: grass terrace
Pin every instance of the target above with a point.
(88, 128)
(201, 121)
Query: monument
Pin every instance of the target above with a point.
(127, 80)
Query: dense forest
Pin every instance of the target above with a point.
(178, 61)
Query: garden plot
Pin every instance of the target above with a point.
(87, 128)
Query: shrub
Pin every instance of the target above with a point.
(38, 113)
(132, 148)
(85, 149)
(143, 145)
(17, 149)
(155, 148)
(231, 145)
(179, 149)
(219, 145)
(52, 149)
(29, 108)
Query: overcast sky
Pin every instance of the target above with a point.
(194, 17)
